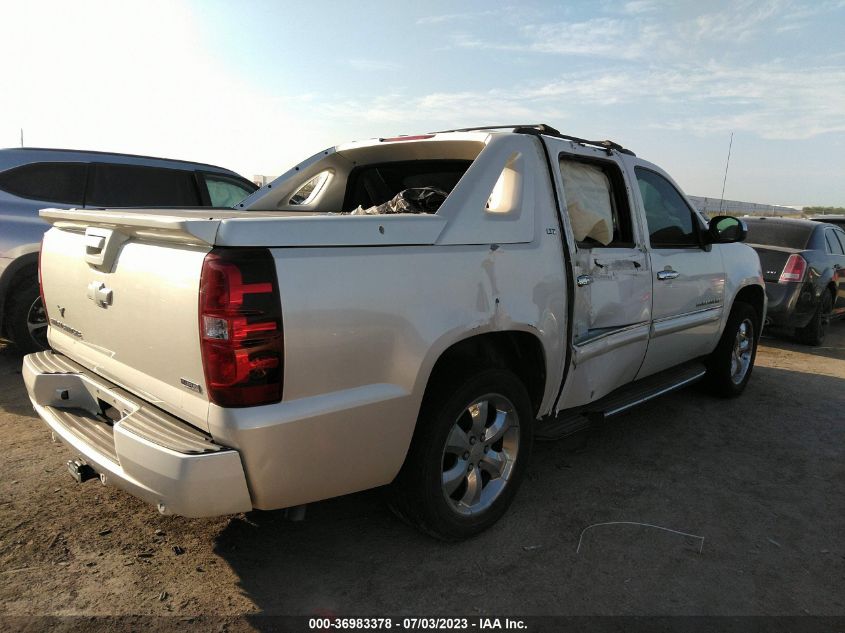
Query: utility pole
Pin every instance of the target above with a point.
(21, 137)
(727, 163)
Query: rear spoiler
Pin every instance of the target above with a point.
(191, 226)
(219, 227)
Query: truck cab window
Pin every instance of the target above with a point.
(596, 203)
(669, 218)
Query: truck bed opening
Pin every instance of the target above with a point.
(372, 185)
(368, 174)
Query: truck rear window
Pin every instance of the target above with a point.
(775, 233)
(372, 185)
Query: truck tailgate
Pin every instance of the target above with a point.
(122, 289)
(126, 307)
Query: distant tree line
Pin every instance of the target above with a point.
(823, 210)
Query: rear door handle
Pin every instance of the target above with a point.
(664, 275)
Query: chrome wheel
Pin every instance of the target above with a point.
(36, 323)
(480, 453)
(742, 351)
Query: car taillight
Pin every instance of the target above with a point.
(240, 320)
(794, 269)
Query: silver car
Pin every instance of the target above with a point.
(33, 178)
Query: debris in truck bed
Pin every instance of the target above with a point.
(414, 200)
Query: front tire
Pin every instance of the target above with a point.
(469, 454)
(814, 332)
(729, 366)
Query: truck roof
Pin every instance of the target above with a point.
(470, 133)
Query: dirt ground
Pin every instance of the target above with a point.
(761, 479)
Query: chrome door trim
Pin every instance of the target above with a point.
(611, 340)
(671, 324)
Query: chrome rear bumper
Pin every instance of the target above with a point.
(138, 448)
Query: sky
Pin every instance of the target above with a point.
(258, 86)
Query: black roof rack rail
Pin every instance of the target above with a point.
(548, 130)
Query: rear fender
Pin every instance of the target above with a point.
(823, 283)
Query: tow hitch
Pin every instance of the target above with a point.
(80, 471)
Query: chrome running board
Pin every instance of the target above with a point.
(621, 400)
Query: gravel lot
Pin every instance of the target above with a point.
(760, 478)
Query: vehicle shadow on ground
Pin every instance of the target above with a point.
(13, 397)
(833, 346)
(687, 461)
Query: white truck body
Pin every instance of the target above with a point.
(370, 305)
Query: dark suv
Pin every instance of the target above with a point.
(33, 179)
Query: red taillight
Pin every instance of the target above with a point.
(794, 269)
(241, 327)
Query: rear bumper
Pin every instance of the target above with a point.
(147, 452)
(790, 304)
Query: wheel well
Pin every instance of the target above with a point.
(519, 352)
(755, 297)
(12, 277)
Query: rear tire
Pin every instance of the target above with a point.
(729, 366)
(26, 318)
(814, 332)
(469, 454)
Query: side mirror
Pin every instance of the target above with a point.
(725, 229)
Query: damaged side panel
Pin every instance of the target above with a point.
(384, 334)
(613, 291)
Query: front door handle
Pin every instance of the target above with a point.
(584, 280)
(664, 275)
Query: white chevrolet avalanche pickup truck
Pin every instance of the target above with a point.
(410, 311)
